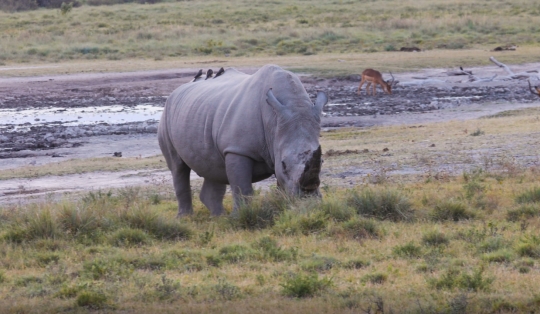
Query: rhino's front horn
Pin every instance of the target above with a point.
(309, 180)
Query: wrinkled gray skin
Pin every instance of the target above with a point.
(237, 129)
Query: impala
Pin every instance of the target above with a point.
(374, 77)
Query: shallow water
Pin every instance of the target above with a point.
(17, 120)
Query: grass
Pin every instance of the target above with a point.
(114, 251)
(445, 234)
(77, 166)
(305, 35)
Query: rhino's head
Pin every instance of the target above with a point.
(297, 153)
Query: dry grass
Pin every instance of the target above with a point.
(45, 270)
(163, 33)
(433, 151)
(253, 284)
(326, 64)
(75, 166)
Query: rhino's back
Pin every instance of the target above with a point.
(202, 121)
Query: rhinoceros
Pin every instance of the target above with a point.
(238, 129)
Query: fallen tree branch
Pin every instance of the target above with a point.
(481, 80)
(512, 75)
(501, 65)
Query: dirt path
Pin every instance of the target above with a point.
(37, 142)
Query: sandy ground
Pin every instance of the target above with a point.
(420, 97)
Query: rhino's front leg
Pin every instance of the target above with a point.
(212, 196)
(240, 173)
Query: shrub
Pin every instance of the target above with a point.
(409, 250)
(46, 258)
(79, 221)
(529, 196)
(226, 290)
(523, 212)
(261, 212)
(16, 234)
(435, 238)
(529, 246)
(292, 223)
(129, 237)
(319, 263)
(27, 280)
(358, 228)
(92, 300)
(161, 227)
(169, 229)
(272, 251)
(236, 253)
(106, 267)
(167, 289)
(375, 278)
(301, 286)
(336, 209)
(42, 225)
(356, 264)
(65, 8)
(453, 278)
(478, 132)
(382, 204)
(451, 210)
(500, 256)
(491, 244)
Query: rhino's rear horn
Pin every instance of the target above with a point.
(309, 180)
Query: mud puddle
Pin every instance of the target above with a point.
(13, 120)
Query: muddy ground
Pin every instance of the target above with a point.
(27, 138)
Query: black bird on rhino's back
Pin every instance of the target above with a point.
(221, 71)
(209, 74)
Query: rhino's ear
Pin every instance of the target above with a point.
(322, 99)
(274, 103)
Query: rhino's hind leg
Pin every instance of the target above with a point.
(212, 196)
(240, 174)
(182, 188)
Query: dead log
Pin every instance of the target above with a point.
(458, 72)
(481, 79)
(512, 75)
(501, 65)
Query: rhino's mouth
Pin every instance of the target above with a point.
(309, 180)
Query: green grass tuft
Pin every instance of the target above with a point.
(409, 250)
(451, 210)
(385, 204)
(530, 196)
(435, 238)
(93, 300)
(129, 237)
(302, 286)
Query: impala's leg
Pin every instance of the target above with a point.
(212, 196)
(239, 172)
(360, 86)
(368, 85)
(374, 89)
